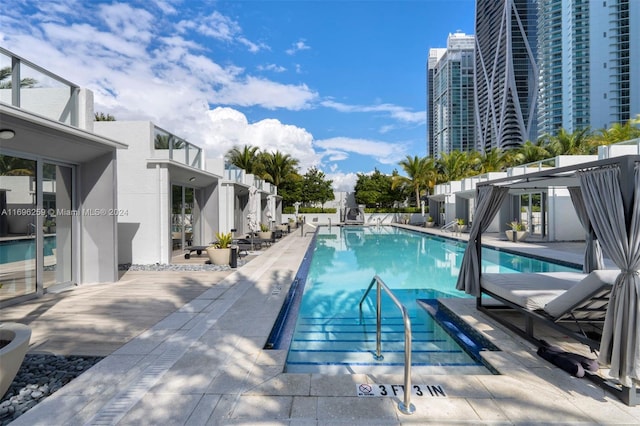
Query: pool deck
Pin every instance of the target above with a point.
(186, 348)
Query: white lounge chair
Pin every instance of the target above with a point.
(552, 298)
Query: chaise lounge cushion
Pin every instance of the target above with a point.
(587, 287)
(531, 291)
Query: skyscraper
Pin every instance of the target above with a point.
(451, 123)
(589, 61)
(434, 57)
(506, 74)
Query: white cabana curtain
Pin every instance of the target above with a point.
(254, 209)
(619, 347)
(593, 252)
(488, 202)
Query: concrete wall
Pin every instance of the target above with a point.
(98, 237)
(564, 224)
(142, 193)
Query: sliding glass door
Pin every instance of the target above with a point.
(184, 217)
(36, 224)
(57, 224)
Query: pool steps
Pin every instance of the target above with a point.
(341, 342)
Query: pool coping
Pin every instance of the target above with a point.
(245, 384)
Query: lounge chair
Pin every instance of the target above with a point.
(570, 302)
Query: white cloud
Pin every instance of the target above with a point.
(228, 128)
(219, 27)
(297, 47)
(271, 67)
(383, 152)
(124, 20)
(342, 181)
(397, 112)
(266, 93)
(159, 73)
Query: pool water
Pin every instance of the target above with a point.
(24, 249)
(330, 334)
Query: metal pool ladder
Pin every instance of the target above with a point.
(405, 406)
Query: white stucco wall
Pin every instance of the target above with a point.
(143, 193)
(98, 236)
(563, 219)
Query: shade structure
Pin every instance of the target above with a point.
(611, 197)
(271, 207)
(254, 209)
(489, 200)
(593, 258)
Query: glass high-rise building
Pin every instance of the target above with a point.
(589, 61)
(450, 97)
(434, 57)
(506, 74)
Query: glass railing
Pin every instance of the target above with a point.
(34, 89)
(168, 145)
(233, 173)
(630, 147)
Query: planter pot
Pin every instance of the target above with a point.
(219, 256)
(293, 225)
(429, 224)
(12, 355)
(264, 235)
(459, 228)
(516, 236)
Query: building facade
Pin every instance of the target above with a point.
(434, 56)
(589, 62)
(451, 96)
(506, 73)
(58, 200)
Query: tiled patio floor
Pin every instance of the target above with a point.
(185, 348)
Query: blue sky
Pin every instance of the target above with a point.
(340, 85)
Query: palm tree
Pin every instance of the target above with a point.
(416, 178)
(277, 167)
(493, 160)
(619, 132)
(455, 165)
(565, 143)
(246, 158)
(163, 141)
(6, 73)
(530, 152)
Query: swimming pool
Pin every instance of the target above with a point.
(330, 337)
(24, 249)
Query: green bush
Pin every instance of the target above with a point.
(395, 210)
(308, 210)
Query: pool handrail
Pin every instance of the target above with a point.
(405, 406)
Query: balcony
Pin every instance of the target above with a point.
(169, 146)
(29, 87)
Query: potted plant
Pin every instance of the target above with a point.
(460, 225)
(220, 252)
(49, 226)
(430, 222)
(292, 223)
(265, 232)
(517, 232)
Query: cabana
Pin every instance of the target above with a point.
(606, 194)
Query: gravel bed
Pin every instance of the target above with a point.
(177, 267)
(38, 377)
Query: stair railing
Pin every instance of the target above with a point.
(405, 406)
(449, 226)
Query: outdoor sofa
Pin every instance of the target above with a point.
(571, 302)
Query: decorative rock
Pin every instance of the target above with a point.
(38, 377)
